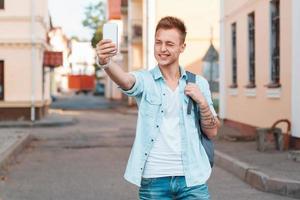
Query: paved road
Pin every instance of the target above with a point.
(87, 161)
(83, 102)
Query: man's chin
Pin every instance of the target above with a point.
(163, 64)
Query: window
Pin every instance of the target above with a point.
(251, 46)
(1, 80)
(1, 4)
(275, 45)
(234, 56)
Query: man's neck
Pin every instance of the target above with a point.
(171, 72)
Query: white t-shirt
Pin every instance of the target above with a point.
(165, 156)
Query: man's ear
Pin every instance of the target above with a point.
(182, 47)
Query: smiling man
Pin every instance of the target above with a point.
(167, 160)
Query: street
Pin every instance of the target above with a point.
(86, 161)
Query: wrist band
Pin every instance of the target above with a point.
(105, 66)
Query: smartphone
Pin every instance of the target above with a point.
(110, 31)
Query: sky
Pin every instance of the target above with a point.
(69, 15)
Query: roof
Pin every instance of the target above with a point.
(211, 55)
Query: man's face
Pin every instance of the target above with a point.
(168, 46)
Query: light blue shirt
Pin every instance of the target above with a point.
(149, 91)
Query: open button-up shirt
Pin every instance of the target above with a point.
(149, 91)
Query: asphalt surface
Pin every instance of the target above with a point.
(86, 161)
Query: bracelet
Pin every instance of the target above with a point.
(105, 66)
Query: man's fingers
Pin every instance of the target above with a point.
(104, 42)
(107, 55)
(106, 46)
(105, 49)
(108, 50)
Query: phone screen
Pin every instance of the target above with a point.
(110, 31)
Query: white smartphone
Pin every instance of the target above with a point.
(110, 31)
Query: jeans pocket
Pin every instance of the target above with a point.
(146, 182)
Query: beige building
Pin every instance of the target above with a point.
(24, 82)
(259, 63)
(140, 17)
(59, 42)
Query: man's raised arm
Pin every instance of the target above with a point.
(105, 50)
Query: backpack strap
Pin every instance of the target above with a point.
(191, 78)
(206, 142)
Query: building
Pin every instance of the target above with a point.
(259, 64)
(24, 82)
(210, 68)
(59, 42)
(82, 58)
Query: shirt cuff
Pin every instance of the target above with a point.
(131, 91)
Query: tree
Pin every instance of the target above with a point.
(97, 36)
(95, 17)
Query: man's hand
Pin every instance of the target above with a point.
(105, 49)
(209, 123)
(193, 91)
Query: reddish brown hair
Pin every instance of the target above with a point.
(170, 22)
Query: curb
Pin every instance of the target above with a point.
(126, 111)
(38, 124)
(257, 179)
(8, 155)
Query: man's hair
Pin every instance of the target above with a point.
(170, 22)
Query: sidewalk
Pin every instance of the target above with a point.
(11, 144)
(269, 171)
(54, 118)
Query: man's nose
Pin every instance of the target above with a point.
(163, 48)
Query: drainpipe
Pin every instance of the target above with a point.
(33, 63)
(222, 74)
(150, 32)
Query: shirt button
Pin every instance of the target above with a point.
(162, 111)
(141, 168)
(164, 94)
(157, 126)
(152, 140)
(146, 154)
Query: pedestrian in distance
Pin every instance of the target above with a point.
(167, 160)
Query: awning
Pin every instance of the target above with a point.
(53, 59)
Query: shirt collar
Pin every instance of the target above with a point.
(157, 73)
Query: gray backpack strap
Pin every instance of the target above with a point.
(191, 78)
(206, 142)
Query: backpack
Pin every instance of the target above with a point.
(206, 142)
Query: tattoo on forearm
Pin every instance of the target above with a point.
(208, 121)
(204, 110)
(209, 127)
(205, 116)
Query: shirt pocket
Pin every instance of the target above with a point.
(151, 105)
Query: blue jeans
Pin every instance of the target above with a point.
(171, 188)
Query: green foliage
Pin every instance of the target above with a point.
(98, 35)
(95, 17)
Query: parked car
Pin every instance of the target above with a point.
(99, 89)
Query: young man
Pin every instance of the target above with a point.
(167, 160)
